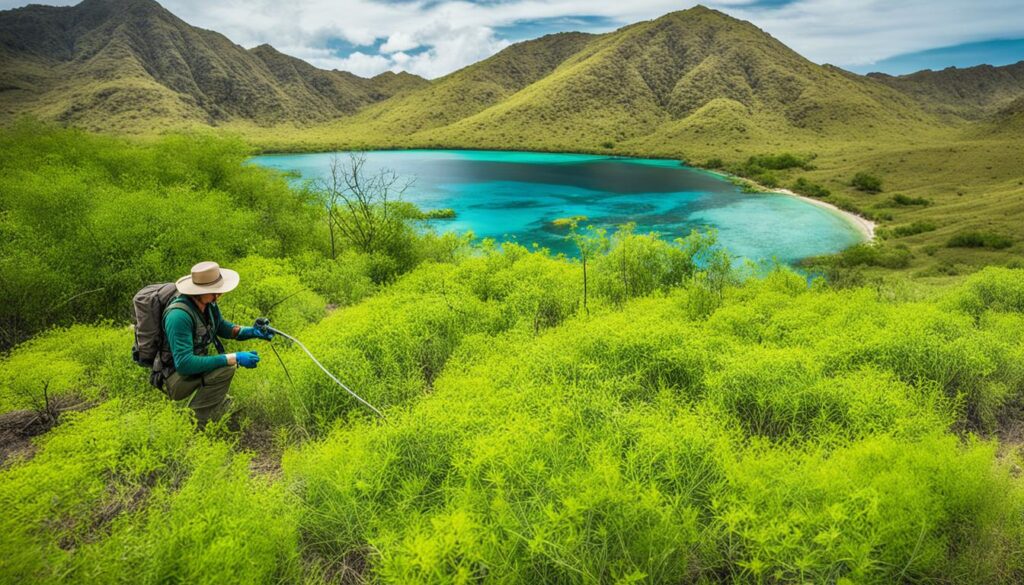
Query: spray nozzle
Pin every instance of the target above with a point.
(262, 324)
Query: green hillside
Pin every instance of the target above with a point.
(650, 79)
(970, 93)
(696, 422)
(132, 66)
(470, 90)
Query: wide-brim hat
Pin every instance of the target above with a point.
(206, 278)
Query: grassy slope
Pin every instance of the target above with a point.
(970, 93)
(691, 426)
(800, 434)
(132, 66)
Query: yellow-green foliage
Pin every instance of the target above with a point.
(692, 424)
(88, 221)
(131, 495)
(992, 288)
(797, 434)
(272, 289)
(85, 361)
(786, 431)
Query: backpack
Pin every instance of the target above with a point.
(149, 350)
(148, 316)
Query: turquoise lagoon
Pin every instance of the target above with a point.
(515, 196)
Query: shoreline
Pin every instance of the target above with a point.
(862, 224)
(865, 226)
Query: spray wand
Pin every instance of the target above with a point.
(264, 324)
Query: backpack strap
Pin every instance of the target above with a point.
(184, 305)
(216, 321)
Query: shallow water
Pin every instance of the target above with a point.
(516, 196)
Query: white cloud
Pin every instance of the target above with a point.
(847, 33)
(361, 64)
(432, 38)
(399, 41)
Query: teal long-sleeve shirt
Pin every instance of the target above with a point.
(178, 328)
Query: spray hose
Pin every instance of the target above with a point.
(317, 362)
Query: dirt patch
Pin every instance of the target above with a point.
(348, 569)
(1010, 432)
(267, 459)
(19, 427)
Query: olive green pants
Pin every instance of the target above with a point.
(211, 390)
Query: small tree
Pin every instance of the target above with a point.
(328, 189)
(590, 244)
(363, 207)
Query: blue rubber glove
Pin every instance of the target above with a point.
(247, 359)
(261, 329)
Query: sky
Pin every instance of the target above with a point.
(434, 37)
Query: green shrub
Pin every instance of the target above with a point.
(187, 198)
(126, 495)
(910, 229)
(446, 213)
(271, 288)
(869, 254)
(905, 201)
(877, 511)
(805, 187)
(83, 362)
(343, 281)
(980, 239)
(847, 205)
(992, 289)
(866, 182)
(639, 264)
(220, 525)
(779, 162)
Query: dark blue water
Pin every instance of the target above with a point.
(518, 195)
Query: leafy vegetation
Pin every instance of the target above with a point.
(900, 199)
(872, 254)
(910, 229)
(647, 413)
(980, 239)
(446, 213)
(68, 253)
(866, 182)
(805, 187)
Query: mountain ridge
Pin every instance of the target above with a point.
(120, 63)
(971, 93)
(131, 65)
(647, 78)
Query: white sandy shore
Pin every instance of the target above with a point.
(864, 225)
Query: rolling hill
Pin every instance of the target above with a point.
(970, 93)
(130, 65)
(696, 76)
(687, 72)
(687, 77)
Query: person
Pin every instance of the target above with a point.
(192, 321)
